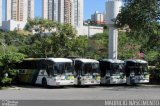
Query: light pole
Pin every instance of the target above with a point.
(88, 23)
(112, 10)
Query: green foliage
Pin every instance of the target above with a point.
(127, 47)
(7, 61)
(5, 81)
(98, 45)
(10, 58)
(154, 75)
(61, 41)
(40, 25)
(57, 43)
(137, 15)
(142, 21)
(80, 45)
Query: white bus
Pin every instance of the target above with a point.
(137, 71)
(112, 71)
(46, 71)
(87, 72)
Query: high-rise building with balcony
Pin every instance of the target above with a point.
(19, 10)
(68, 11)
(63, 11)
(54, 10)
(77, 12)
(97, 18)
(31, 9)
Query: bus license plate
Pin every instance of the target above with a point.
(92, 81)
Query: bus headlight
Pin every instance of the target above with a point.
(71, 77)
(98, 78)
(146, 76)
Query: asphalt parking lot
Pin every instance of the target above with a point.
(26, 92)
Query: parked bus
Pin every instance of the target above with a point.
(46, 71)
(137, 71)
(112, 71)
(87, 72)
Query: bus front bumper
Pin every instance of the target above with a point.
(60, 82)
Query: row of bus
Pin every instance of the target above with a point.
(80, 71)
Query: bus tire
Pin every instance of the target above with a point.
(44, 82)
(79, 81)
(101, 84)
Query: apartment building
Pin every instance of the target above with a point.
(51, 10)
(19, 10)
(63, 11)
(97, 18)
(77, 11)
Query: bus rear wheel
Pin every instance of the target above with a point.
(44, 82)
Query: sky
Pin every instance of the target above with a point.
(90, 6)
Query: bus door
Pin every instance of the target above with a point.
(105, 68)
(78, 72)
(131, 71)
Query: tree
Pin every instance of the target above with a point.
(137, 15)
(141, 16)
(7, 61)
(57, 43)
(41, 25)
(98, 45)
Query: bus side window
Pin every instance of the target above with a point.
(49, 69)
(102, 68)
(78, 67)
(21, 71)
(56, 70)
(128, 69)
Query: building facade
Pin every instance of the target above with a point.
(12, 25)
(77, 12)
(68, 11)
(19, 10)
(31, 9)
(63, 11)
(53, 10)
(97, 18)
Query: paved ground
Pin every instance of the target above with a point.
(146, 92)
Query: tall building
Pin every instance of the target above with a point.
(68, 11)
(0, 13)
(19, 10)
(31, 9)
(54, 10)
(97, 18)
(63, 11)
(77, 13)
(45, 9)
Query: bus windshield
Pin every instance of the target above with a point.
(63, 68)
(90, 69)
(141, 69)
(117, 68)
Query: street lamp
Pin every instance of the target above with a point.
(112, 10)
(88, 23)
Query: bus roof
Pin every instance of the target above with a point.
(87, 60)
(136, 61)
(60, 59)
(52, 59)
(113, 60)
